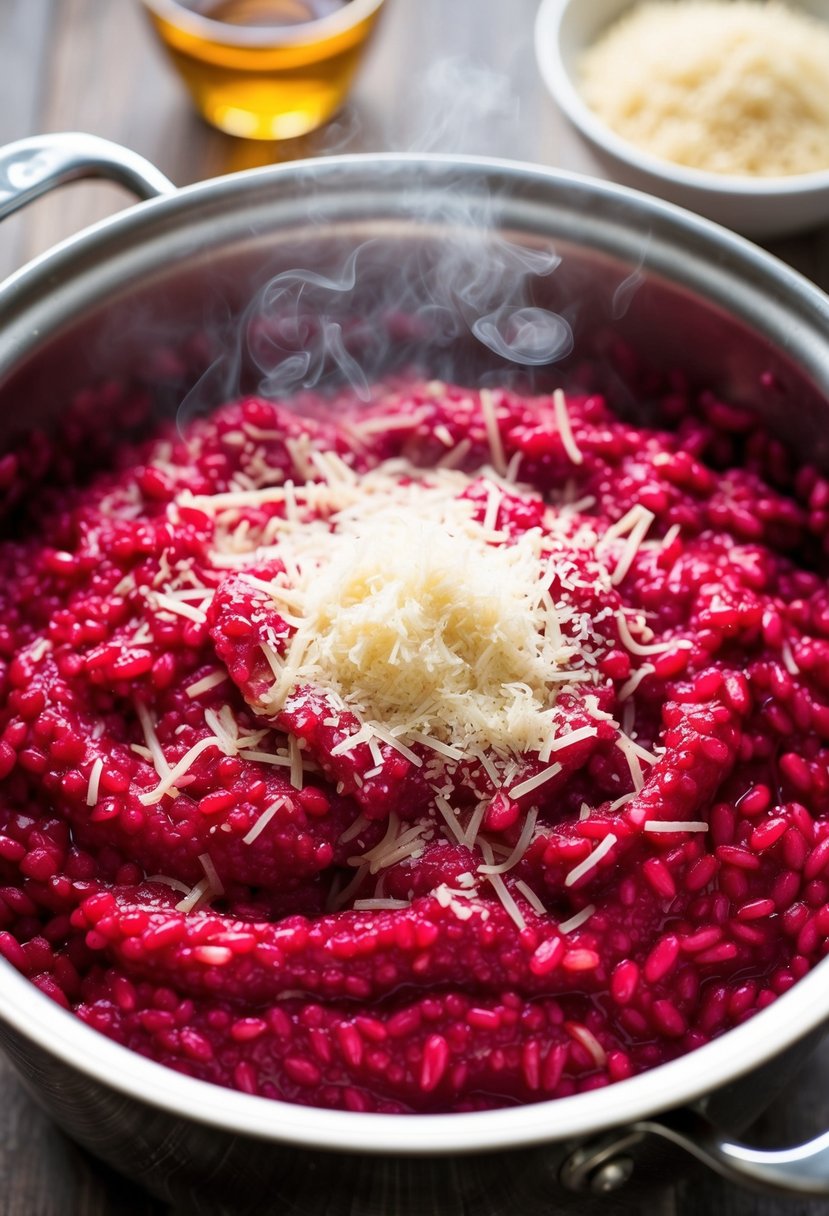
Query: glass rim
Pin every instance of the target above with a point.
(181, 15)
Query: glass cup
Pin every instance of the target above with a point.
(265, 69)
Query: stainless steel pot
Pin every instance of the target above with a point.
(429, 258)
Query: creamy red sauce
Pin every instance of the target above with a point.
(230, 879)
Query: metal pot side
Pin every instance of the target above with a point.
(418, 250)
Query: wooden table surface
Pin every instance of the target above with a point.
(443, 75)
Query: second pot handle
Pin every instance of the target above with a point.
(31, 167)
(603, 1164)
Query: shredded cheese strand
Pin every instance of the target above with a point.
(584, 867)
(186, 762)
(565, 427)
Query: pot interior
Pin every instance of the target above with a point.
(338, 274)
(348, 271)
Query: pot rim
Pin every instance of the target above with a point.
(727, 244)
(687, 1079)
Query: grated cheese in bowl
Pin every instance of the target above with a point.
(734, 87)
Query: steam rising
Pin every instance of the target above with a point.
(467, 304)
(303, 338)
(462, 107)
(624, 294)
(532, 336)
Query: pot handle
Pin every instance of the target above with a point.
(31, 167)
(604, 1164)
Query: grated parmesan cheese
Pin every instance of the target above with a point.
(588, 1041)
(629, 642)
(259, 757)
(576, 922)
(459, 901)
(565, 429)
(500, 888)
(213, 880)
(531, 897)
(353, 830)
(450, 818)
(168, 603)
(736, 87)
(474, 825)
(167, 783)
(574, 736)
(628, 749)
(153, 747)
(205, 684)
(584, 867)
(296, 774)
(631, 548)
(94, 782)
(521, 846)
(386, 627)
(789, 661)
(39, 648)
(455, 455)
(445, 640)
(169, 882)
(493, 434)
(379, 905)
(533, 783)
(630, 686)
(263, 821)
(194, 897)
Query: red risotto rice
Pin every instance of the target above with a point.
(450, 752)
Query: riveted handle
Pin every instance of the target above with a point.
(604, 1163)
(32, 167)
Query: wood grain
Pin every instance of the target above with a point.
(92, 65)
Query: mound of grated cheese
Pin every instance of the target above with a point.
(432, 626)
(436, 631)
(728, 86)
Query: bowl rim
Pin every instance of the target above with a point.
(55, 1031)
(557, 76)
(263, 37)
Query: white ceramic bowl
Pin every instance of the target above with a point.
(771, 206)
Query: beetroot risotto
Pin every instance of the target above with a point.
(444, 753)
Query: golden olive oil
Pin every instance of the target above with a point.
(266, 69)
